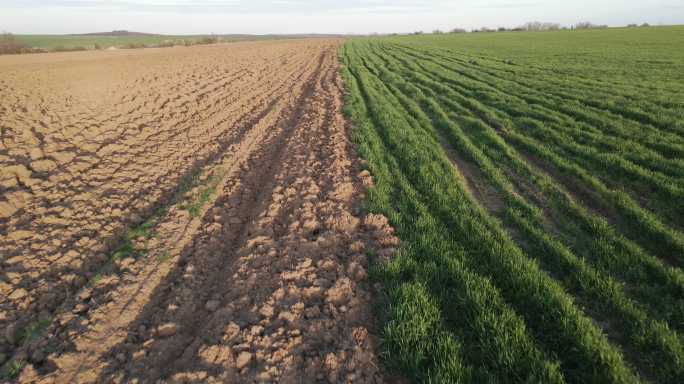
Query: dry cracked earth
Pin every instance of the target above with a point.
(184, 215)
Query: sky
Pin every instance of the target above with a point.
(319, 16)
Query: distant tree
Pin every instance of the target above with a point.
(418, 32)
(437, 32)
(588, 25)
(458, 30)
(644, 25)
(632, 25)
(538, 26)
(532, 26)
(502, 29)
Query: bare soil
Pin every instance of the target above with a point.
(265, 282)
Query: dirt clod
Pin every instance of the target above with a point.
(18, 294)
(81, 309)
(243, 359)
(168, 329)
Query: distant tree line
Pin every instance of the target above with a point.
(644, 25)
(588, 25)
(532, 26)
(535, 26)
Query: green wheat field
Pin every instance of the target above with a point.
(88, 42)
(537, 183)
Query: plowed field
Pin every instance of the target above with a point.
(183, 214)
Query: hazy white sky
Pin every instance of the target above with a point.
(320, 16)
